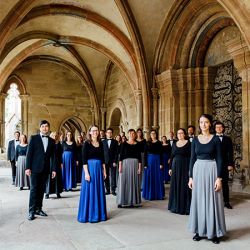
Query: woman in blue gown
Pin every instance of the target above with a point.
(153, 184)
(92, 205)
(69, 162)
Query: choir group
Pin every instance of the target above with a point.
(130, 168)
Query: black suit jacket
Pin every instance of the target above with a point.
(227, 152)
(11, 153)
(37, 160)
(110, 154)
(168, 142)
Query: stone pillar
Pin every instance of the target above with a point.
(138, 99)
(92, 110)
(209, 74)
(103, 112)
(240, 53)
(2, 121)
(155, 95)
(182, 93)
(24, 113)
(164, 82)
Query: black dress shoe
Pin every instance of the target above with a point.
(119, 206)
(41, 213)
(31, 216)
(107, 192)
(21, 188)
(114, 193)
(216, 240)
(58, 196)
(227, 205)
(197, 237)
(46, 196)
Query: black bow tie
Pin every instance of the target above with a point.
(46, 136)
(220, 135)
(109, 139)
(17, 140)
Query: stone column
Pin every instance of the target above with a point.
(155, 95)
(240, 53)
(24, 113)
(103, 112)
(2, 121)
(198, 92)
(164, 82)
(209, 74)
(183, 103)
(138, 99)
(92, 110)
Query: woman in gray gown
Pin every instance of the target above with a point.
(129, 189)
(207, 217)
(22, 180)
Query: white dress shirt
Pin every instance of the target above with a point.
(45, 140)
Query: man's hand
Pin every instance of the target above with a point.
(28, 172)
(114, 164)
(53, 174)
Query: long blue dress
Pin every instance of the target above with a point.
(92, 205)
(69, 166)
(153, 184)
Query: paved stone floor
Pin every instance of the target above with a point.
(148, 227)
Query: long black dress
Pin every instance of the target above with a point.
(55, 186)
(179, 194)
(79, 167)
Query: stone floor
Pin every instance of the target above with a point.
(148, 227)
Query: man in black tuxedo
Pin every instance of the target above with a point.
(110, 147)
(40, 151)
(191, 132)
(11, 154)
(228, 162)
(171, 139)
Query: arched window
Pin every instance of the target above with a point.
(12, 112)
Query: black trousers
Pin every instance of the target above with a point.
(13, 168)
(110, 180)
(37, 189)
(225, 187)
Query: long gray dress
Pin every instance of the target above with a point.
(22, 180)
(207, 208)
(129, 188)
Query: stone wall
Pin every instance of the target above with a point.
(120, 95)
(55, 94)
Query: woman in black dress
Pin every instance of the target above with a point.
(55, 185)
(166, 158)
(142, 142)
(180, 195)
(79, 146)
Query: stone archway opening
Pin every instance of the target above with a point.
(12, 112)
(116, 121)
(73, 124)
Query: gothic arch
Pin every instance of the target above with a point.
(19, 82)
(73, 124)
(119, 105)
